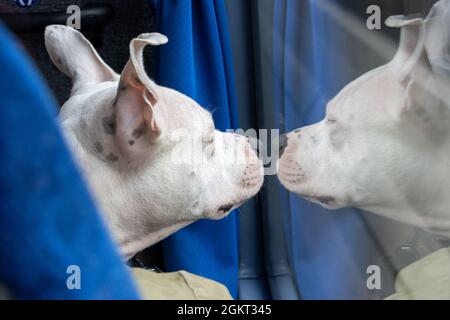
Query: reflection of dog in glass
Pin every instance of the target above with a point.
(120, 130)
(384, 145)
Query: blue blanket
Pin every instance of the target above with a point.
(53, 244)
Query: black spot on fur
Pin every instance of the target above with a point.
(98, 146)
(111, 157)
(140, 131)
(131, 142)
(109, 124)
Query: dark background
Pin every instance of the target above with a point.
(130, 19)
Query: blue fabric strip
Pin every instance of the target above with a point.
(197, 62)
(311, 66)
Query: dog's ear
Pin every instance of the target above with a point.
(75, 56)
(138, 119)
(424, 102)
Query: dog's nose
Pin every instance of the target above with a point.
(283, 144)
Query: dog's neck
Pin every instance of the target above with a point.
(135, 227)
(426, 201)
(130, 245)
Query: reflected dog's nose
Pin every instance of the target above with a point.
(283, 144)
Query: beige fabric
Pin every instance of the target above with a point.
(179, 285)
(427, 278)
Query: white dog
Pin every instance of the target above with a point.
(384, 145)
(121, 128)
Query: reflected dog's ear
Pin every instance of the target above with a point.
(437, 39)
(138, 120)
(423, 99)
(411, 56)
(75, 56)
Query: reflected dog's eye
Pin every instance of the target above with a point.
(331, 121)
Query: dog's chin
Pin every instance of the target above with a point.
(222, 211)
(294, 182)
(249, 185)
(245, 193)
(225, 210)
(325, 200)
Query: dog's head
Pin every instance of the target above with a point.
(380, 134)
(152, 155)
